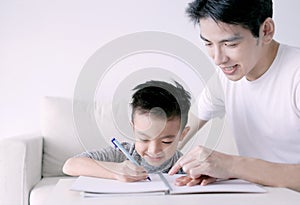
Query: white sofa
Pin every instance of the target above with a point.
(31, 165)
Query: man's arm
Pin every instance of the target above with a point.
(267, 173)
(125, 171)
(203, 161)
(195, 124)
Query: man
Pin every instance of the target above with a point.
(261, 82)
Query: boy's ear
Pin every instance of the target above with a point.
(184, 133)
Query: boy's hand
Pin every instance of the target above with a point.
(189, 181)
(127, 171)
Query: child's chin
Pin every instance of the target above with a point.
(155, 164)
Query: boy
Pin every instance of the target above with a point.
(261, 83)
(159, 117)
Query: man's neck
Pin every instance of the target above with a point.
(270, 53)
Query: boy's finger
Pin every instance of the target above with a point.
(208, 180)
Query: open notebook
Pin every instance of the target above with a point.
(159, 184)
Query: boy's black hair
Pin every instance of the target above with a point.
(250, 14)
(174, 101)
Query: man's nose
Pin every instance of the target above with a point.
(219, 56)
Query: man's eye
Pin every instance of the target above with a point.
(231, 44)
(207, 44)
(167, 142)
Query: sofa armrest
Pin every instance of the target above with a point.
(20, 167)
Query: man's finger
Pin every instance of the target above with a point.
(176, 167)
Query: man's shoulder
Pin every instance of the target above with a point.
(289, 57)
(289, 50)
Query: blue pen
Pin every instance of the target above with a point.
(118, 145)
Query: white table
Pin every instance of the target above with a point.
(62, 195)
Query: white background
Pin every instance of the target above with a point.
(44, 44)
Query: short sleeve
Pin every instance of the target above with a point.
(297, 98)
(211, 101)
(108, 154)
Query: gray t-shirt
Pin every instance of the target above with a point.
(111, 154)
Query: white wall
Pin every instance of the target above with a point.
(44, 44)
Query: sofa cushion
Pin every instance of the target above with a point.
(40, 192)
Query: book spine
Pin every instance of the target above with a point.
(165, 182)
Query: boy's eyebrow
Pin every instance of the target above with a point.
(168, 136)
(144, 134)
(163, 137)
(233, 38)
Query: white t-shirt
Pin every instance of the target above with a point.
(264, 114)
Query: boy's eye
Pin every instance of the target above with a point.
(167, 142)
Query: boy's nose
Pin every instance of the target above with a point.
(154, 148)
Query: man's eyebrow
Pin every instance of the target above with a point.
(231, 39)
(204, 39)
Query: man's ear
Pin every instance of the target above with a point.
(267, 30)
(184, 133)
(131, 124)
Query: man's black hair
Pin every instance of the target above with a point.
(250, 14)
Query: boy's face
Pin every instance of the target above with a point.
(234, 49)
(156, 139)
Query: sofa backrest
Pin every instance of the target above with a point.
(61, 139)
(57, 128)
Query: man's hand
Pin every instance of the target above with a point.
(203, 166)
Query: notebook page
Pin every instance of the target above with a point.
(224, 186)
(108, 186)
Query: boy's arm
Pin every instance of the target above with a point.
(124, 171)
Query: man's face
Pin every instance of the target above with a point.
(233, 48)
(156, 138)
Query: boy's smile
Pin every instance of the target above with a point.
(156, 138)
